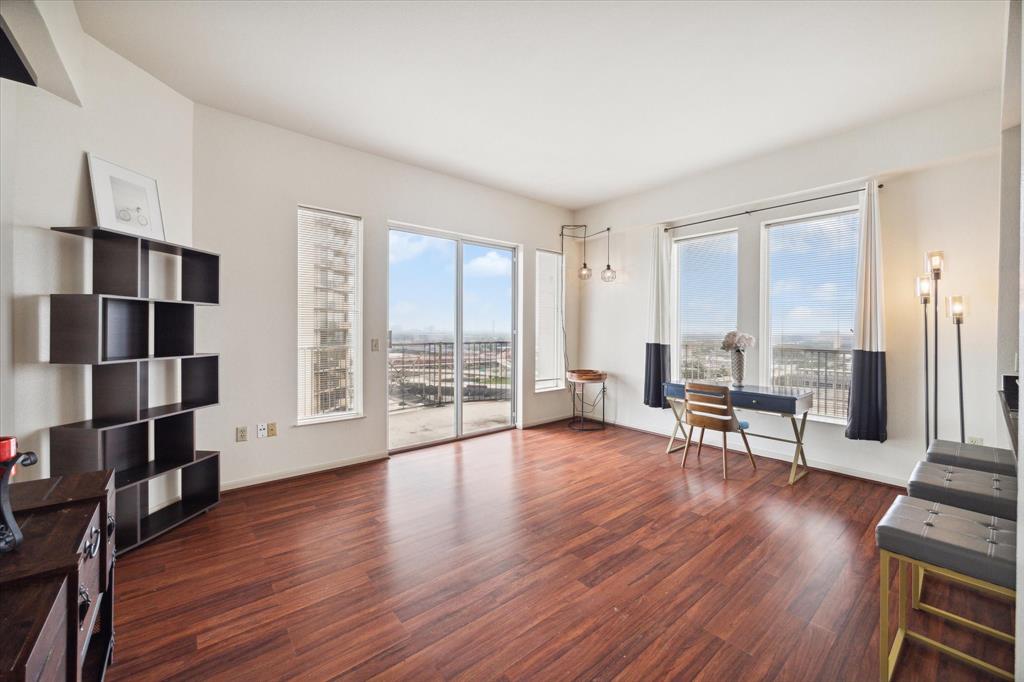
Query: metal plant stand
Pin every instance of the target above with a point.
(578, 379)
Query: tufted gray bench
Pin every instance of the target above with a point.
(978, 491)
(974, 549)
(977, 457)
(978, 545)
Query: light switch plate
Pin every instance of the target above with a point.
(261, 430)
(374, 345)
(271, 429)
(241, 434)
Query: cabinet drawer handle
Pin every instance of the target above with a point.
(111, 525)
(84, 602)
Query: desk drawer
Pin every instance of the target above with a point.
(768, 403)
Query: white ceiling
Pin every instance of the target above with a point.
(569, 102)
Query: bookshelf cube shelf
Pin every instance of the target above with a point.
(109, 329)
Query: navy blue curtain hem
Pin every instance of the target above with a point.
(657, 370)
(868, 412)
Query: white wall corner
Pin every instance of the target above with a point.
(48, 37)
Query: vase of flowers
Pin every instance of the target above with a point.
(737, 344)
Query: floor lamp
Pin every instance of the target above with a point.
(955, 309)
(935, 261)
(924, 293)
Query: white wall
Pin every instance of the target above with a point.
(951, 202)
(249, 178)
(127, 117)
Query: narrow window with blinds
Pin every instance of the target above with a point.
(549, 363)
(811, 279)
(330, 315)
(706, 300)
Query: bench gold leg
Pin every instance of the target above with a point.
(918, 584)
(883, 617)
(909, 581)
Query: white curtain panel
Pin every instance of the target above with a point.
(657, 360)
(868, 411)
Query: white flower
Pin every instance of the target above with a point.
(736, 340)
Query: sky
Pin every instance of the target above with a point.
(812, 277)
(422, 288)
(812, 280)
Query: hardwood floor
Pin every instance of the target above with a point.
(544, 554)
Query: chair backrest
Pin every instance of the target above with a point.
(709, 406)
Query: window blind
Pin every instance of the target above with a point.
(330, 315)
(812, 300)
(549, 362)
(706, 297)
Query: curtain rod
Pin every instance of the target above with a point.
(766, 208)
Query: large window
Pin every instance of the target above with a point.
(330, 315)
(549, 363)
(706, 295)
(811, 282)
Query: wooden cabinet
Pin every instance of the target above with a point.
(57, 588)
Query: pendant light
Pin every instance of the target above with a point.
(585, 272)
(608, 275)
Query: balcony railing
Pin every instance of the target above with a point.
(825, 371)
(423, 374)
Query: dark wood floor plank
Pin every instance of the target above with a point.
(523, 555)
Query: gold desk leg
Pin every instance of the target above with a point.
(686, 448)
(678, 427)
(798, 455)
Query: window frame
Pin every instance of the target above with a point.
(674, 298)
(764, 303)
(358, 412)
(558, 332)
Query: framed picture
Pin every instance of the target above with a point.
(125, 201)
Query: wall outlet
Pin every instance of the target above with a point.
(261, 430)
(374, 345)
(271, 429)
(241, 434)
(975, 440)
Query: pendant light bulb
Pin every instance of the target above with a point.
(585, 272)
(608, 275)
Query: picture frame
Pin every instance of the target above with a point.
(125, 201)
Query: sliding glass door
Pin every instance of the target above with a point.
(487, 345)
(451, 350)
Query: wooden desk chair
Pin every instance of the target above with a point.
(709, 406)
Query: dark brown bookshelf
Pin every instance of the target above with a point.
(109, 330)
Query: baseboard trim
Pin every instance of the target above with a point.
(812, 464)
(302, 471)
(546, 420)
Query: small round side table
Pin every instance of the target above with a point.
(579, 378)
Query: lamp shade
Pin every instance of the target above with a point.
(924, 288)
(956, 308)
(585, 272)
(608, 275)
(935, 261)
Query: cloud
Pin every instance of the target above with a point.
(490, 265)
(828, 291)
(406, 246)
(801, 313)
